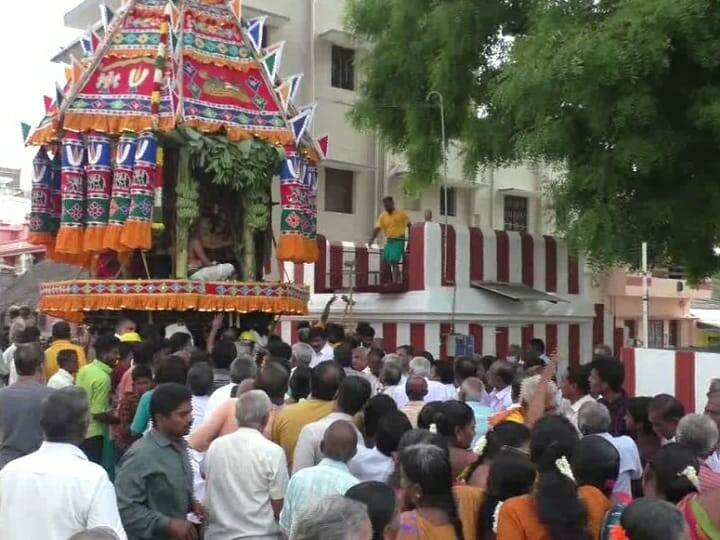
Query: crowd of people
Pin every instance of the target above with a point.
(139, 434)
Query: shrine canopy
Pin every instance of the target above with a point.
(161, 66)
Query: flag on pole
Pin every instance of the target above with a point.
(236, 6)
(272, 60)
(300, 123)
(323, 146)
(87, 44)
(106, 15)
(256, 30)
(284, 91)
(77, 69)
(25, 130)
(96, 40)
(295, 85)
(59, 95)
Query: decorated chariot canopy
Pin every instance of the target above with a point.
(188, 77)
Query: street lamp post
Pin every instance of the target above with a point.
(441, 104)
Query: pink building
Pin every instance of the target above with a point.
(671, 323)
(14, 244)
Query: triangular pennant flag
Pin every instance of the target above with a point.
(68, 74)
(272, 59)
(284, 91)
(87, 44)
(106, 15)
(77, 70)
(256, 30)
(236, 6)
(47, 100)
(323, 146)
(96, 41)
(59, 95)
(272, 63)
(295, 85)
(25, 130)
(300, 123)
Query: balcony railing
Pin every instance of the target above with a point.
(357, 268)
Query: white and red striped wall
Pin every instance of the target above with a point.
(422, 315)
(683, 374)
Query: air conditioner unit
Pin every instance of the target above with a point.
(458, 345)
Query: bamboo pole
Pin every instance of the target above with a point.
(182, 226)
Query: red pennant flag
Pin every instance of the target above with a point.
(323, 144)
(48, 103)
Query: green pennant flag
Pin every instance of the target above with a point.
(25, 130)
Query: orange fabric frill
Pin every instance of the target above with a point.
(111, 240)
(41, 239)
(83, 259)
(115, 125)
(69, 240)
(93, 239)
(45, 135)
(56, 300)
(136, 235)
(297, 249)
(283, 136)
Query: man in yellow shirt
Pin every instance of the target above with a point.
(394, 224)
(61, 341)
(289, 422)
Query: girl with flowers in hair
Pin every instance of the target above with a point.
(511, 474)
(673, 476)
(557, 509)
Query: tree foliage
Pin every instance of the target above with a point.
(622, 96)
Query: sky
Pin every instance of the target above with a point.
(31, 32)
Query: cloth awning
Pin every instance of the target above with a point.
(517, 292)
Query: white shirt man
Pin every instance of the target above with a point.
(61, 379)
(307, 450)
(438, 391)
(501, 400)
(54, 493)
(326, 354)
(370, 464)
(571, 410)
(246, 472)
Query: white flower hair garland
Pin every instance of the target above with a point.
(563, 466)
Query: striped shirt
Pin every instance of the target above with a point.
(312, 484)
(709, 479)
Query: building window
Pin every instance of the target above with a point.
(516, 213)
(339, 191)
(343, 68)
(450, 204)
(412, 204)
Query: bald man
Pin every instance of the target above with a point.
(474, 394)
(416, 389)
(329, 477)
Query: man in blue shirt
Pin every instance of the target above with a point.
(329, 477)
